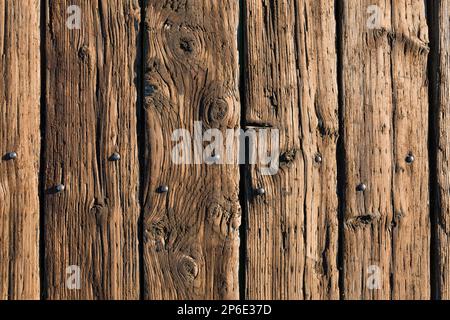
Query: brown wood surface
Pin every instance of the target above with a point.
(90, 113)
(355, 96)
(191, 233)
(19, 132)
(441, 21)
(385, 112)
(291, 85)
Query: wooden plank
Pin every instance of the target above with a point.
(90, 114)
(191, 232)
(441, 23)
(19, 133)
(291, 85)
(385, 108)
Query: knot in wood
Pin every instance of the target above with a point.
(83, 53)
(188, 268)
(217, 111)
(187, 44)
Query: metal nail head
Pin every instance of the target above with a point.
(260, 191)
(361, 187)
(318, 158)
(163, 189)
(115, 157)
(410, 159)
(214, 158)
(11, 155)
(60, 188)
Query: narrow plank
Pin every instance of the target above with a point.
(291, 85)
(91, 114)
(387, 226)
(191, 232)
(441, 21)
(19, 133)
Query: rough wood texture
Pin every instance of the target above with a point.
(90, 114)
(19, 132)
(291, 85)
(191, 233)
(441, 21)
(385, 114)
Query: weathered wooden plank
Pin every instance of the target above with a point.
(19, 133)
(191, 232)
(291, 85)
(441, 22)
(90, 114)
(386, 226)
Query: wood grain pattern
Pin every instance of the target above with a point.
(19, 132)
(385, 96)
(291, 85)
(441, 21)
(191, 233)
(90, 114)
(350, 85)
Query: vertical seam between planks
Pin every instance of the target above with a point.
(340, 148)
(432, 13)
(42, 166)
(243, 168)
(140, 131)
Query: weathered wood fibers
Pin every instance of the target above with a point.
(90, 114)
(191, 233)
(441, 22)
(19, 132)
(291, 85)
(385, 110)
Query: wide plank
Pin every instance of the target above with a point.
(191, 211)
(291, 86)
(19, 134)
(91, 227)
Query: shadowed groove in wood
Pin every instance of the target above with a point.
(244, 184)
(43, 125)
(440, 84)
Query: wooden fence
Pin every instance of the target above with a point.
(92, 205)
